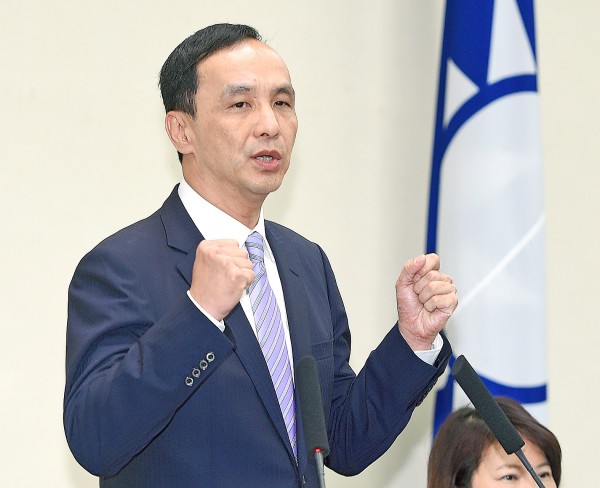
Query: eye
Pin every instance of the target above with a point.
(240, 105)
(283, 103)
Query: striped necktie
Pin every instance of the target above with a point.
(271, 336)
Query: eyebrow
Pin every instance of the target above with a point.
(510, 466)
(285, 90)
(519, 466)
(233, 90)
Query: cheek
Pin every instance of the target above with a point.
(225, 145)
(289, 136)
(294, 127)
(293, 136)
(480, 479)
(288, 125)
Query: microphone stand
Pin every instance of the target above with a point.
(529, 468)
(320, 467)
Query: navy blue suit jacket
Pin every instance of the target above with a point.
(157, 396)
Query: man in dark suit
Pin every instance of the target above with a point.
(175, 375)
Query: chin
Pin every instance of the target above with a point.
(269, 185)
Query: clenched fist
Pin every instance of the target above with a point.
(426, 298)
(222, 270)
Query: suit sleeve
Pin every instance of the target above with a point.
(129, 367)
(369, 410)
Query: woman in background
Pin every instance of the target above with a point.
(465, 453)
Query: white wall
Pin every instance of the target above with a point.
(83, 153)
(569, 37)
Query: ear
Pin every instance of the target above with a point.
(177, 126)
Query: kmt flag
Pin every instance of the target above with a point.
(486, 214)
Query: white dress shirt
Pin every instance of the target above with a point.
(213, 223)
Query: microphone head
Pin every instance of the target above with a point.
(311, 406)
(488, 408)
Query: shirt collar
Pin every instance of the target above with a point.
(213, 223)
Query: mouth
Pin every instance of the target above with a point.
(268, 159)
(265, 159)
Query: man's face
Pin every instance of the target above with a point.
(244, 128)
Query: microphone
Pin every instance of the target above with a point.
(491, 413)
(311, 406)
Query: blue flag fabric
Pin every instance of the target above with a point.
(486, 216)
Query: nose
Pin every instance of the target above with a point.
(266, 123)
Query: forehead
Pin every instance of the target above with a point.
(494, 454)
(249, 61)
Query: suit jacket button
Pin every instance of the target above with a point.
(203, 364)
(210, 357)
(196, 373)
(189, 381)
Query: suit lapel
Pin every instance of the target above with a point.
(249, 351)
(292, 282)
(183, 235)
(251, 356)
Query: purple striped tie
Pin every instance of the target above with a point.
(271, 336)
